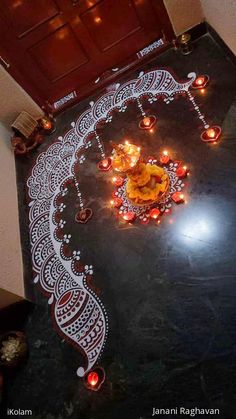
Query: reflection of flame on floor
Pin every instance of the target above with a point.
(200, 230)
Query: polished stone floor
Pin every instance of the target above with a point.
(169, 291)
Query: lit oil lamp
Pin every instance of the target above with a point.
(178, 197)
(125, 156)
(116, 202)
(118, 180)
(200, 82)
(47, 124)
(212, 134)
(148, 122)
(94, 379)
(182, 172)
(154, 213)
(165, 158)
(129, 216)
(105, 164)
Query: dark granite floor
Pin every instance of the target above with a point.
(170, 291)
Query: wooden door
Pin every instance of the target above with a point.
(59, 49)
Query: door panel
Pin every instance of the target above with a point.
(25, 18)
(48, 54)
(106, 24)
(63, 46)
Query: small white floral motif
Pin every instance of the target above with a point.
(64, 191)
(152, 161)
(88, 144)
(123, 108)
(76, 254)
(152, 99)
(168, 99)
(62, 223)
(109, 118)
(62, 207)
(88, 269)
(82, 159)
(66, 238)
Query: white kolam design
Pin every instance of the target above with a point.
(79, 314)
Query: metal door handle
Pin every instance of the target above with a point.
(7, 65)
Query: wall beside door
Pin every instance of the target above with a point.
(221, 15)
(7, 298)
(11, 274)
(184, 14)
(14, 99)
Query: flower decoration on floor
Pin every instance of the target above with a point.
(148, 187)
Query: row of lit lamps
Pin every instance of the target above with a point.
(212, 134)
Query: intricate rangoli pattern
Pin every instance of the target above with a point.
(78, 313)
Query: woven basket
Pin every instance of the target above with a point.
(25, 124)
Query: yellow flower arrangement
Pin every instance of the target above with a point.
(148, 183)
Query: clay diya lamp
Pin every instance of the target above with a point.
(105, 164)
(128, 216)
(116, 202)
(94, 379)
(182, 172)
(84, 215)
(165, 158)
(154, 213)
(200, 82)
(148, 122)
(212, 134)
(178, 197)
